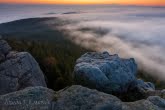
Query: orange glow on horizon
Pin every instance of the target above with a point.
(125, 2)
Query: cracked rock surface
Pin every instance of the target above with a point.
(18, 70)
(73, 98)
(105, 72)
(108, 73)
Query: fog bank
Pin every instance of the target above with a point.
(136, 32)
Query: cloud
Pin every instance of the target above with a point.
(140, 35)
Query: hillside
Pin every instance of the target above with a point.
(51, 47)
(55, 54)
(103, 82)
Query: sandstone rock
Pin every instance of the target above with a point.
(105, 72)
(19, 71)
(71, 98)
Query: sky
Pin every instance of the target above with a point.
(125, 2)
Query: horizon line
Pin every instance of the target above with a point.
(83, 4)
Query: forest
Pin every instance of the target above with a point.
(54, 52)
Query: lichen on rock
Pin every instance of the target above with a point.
(73, 98)
(18, 70)
(105, 72)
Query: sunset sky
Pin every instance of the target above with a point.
(135, 2)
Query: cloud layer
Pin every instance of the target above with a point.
(129, 31)
(136, 32)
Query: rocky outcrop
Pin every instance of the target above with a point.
(111, 74)
(73, 98)
(108, 73)
(19, 73)
(18, 70)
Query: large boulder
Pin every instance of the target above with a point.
(18, 70)
(71, 98)
(105, 72)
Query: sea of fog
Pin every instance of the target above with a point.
(130, 31)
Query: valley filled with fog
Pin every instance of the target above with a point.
(136, 32)
(130, 31)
